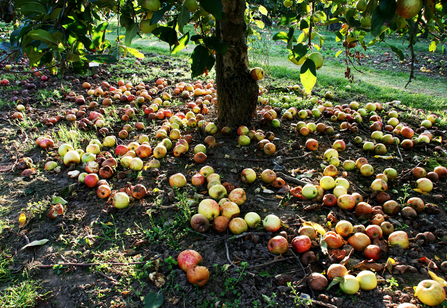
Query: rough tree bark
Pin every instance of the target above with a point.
(237, 90)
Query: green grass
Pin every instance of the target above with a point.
(372, 84)
(22, 295)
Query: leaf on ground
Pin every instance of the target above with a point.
(35, 243)
(22, 220)
(264, 274)
(389, 264)
(334, 282)
(420, 191)
(364, 265)
(153, 300)
(56, 200)
(67, 191)
(316, 226)
(441, 281)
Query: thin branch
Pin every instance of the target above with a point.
(413, 56)
(46, 266)
(271, 262)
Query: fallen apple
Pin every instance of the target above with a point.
(349, 284)
(301, 243)
(237, 225)
(188, 258)
(399, 238)
(278, 245)
(198, 275)
(430, 292)
(271, 223)
(367, 280)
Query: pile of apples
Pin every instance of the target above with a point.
(264, 139)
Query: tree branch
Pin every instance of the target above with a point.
(413, 56)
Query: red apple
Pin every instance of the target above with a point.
(399, 238)
(238, 196)
(374, 231)
(278, 245)
(329, 200)
(301, 243)
(372, 252)
(188, 258)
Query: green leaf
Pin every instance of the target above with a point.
(183, 18)
(200, 57)
(382, 15)
(281, 36)
(264, 274)
(135, 53)
(332, 21)
(131, 32)
(35, 243)
(99, 35)
(323, 246)
(43, 36)
(308, 75)
(300, 50)
(34, 56)
(216, 44)
(56, 200)
(263, 10)
(304, 24)
(214, 7)
(334, 282)
(158, 15)
(33, 8)
(166, 34)
(67, 191)
(398, 52)
(288, 19)
(183, 41)
(260, 24)
(153, 300)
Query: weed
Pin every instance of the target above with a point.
(401, 227)
(299, 299)
(231, 282)
(271, 301)
(392, 282)
(406, 193)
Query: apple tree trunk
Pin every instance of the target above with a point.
(237, 90)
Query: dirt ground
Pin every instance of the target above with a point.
(98, 256)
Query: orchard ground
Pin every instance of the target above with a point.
(98, 256)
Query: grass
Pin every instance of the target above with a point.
(22, 295)
(371, 82)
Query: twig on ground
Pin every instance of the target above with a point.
(400, 154)
(46, 266)
(290, 179)
(270, 262)
(113, 280)
(298, 157)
